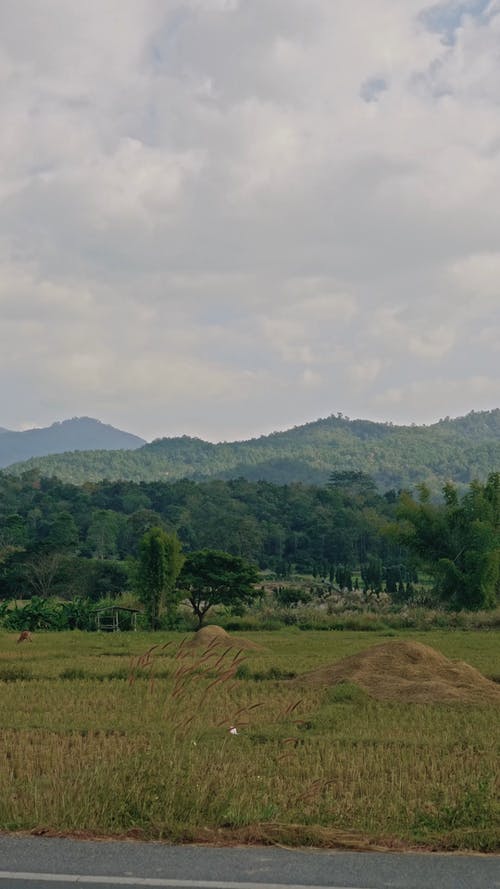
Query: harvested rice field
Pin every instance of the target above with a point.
(348, 739)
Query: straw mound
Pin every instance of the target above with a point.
(217, 636)
(408, 672)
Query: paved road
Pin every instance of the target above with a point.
(42, 863)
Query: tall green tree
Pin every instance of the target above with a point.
(210, 577)
(160, 562)
(458, 541)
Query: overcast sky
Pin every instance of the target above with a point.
(224, 217)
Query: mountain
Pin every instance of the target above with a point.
(78, 434)
(457, 450)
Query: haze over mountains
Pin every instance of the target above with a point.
(457, 450)
(78, 434)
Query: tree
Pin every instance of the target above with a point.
(14, 531)
(58, 535)
(160, 561)
(93, 579)
(372, 574)
(42, 573)
(291, 596)
(354, 482)
(134, 528)
(210, 577)
(103, 533)
(458, 541)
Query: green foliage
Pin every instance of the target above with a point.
(102, 534)
(78, 614)
(37, 614)
(346, 693)
(79, 433)
(291, 596)
(15, 531)
(160, 561)
(372, 574)
(458, 541)
(103, 578)
(210, 577)
(476, 807)
(281, 528)
(348, 452)
(66, 542)
(72, 673)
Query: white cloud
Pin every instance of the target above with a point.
(478, 278)
(239, 215)
(481, 391)
(363, 372)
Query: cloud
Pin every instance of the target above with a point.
(482, 392)
(446, 18)
(477, 277)
(225, 217)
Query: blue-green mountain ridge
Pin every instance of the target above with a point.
(456, 450)
(77, 434)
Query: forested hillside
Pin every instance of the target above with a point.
(78, 434)
(395, 456)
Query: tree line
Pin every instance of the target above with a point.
(70, 541)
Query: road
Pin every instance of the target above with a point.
(43, 863)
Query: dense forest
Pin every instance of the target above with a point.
(58, 539)
(458, 450)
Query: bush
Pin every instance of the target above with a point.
(77, 615)
(37, 614)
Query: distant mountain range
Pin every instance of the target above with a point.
(395, 456)
(78, 434)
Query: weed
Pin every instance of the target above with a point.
(474, 808)
(346, 693)
(15, 674)
(74, 673)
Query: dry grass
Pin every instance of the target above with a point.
(210, 634)
(409, 672)
(151, 753)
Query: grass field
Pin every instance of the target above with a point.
(99, 740)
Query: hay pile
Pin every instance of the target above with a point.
(212, 636)
(408, 672)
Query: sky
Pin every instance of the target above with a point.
(227, 217)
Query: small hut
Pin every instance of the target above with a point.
(107, 617)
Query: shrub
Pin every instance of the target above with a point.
(37, 614)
